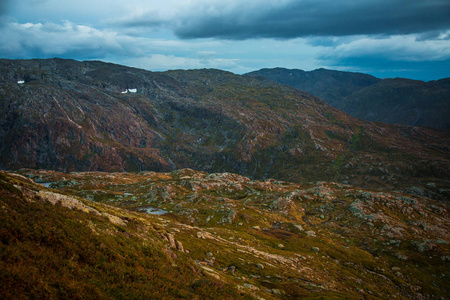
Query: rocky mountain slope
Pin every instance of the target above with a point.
(329, 85)
(395, 101)
(192, 235)
(85, 116)
(402, 101)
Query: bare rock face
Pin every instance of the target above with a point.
(73, 116)
(66, 201)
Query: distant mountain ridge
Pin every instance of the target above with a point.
(329, 85)
(395, 101)
(72, 116)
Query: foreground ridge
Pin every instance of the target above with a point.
(191, 234)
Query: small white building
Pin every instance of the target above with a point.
(129, 91)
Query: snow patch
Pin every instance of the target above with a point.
(21, 81)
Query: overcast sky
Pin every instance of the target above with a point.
(385, 38)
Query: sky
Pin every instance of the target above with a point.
(385, 38)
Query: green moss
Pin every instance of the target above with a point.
(356, 141)
(338, 163)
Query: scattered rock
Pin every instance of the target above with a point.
(179, 246)
(232, 269)
(299, 227)
(171, 240)
(115, 220)
(275, 291)
(251, 287)
(311, 233)
(204, 235)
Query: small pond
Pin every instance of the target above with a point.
(150, 210)
(46, 184)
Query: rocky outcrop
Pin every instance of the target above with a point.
(72, 203)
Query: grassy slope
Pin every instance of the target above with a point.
(370, 244)
(48, 251)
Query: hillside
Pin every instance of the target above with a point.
(67, 115)
(216, 236)
(394, 101)
(402, 101)
(329, 85)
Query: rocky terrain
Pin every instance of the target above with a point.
(394, 101)
(194, 235)
(67, 116)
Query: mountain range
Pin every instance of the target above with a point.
(67, 115)
(394, 101)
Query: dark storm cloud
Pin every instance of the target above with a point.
(147, 19)
(2, 7)
(3, 10)
(317, 18)
(4, 4)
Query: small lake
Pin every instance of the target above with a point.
(46, 184)
(150, 210)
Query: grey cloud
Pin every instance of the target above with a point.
(4, 4)
(2, 7)
(433, 35)
(316, 18)
(147, 19)
(68, 40)
(3, 11)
